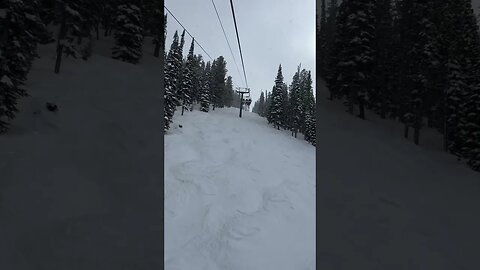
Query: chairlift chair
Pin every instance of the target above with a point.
(247, 100)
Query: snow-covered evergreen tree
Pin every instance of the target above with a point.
(295, 106)
(357, 56)
(109, 15)
(69, 19)
(330, 39)
(380, 94)
(268, 103)
(19, 25)
(276, 107)
(155, 21)
(322, 52)
(422, 53)
(205, 90)
(128, 34)
(180, 64)
(306, 98)
(286, 124)
(171, 71)
(217, 85)
(261, 104)
(336, 78)
(228, 98)
(186, 90)
(164, 33)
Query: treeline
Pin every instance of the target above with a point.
(74, 24)
(190, 80)
(413, 61)
(290, 107)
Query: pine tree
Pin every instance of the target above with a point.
(69, 19)
(336, 69)
(90, 16)
(276, 107)
(109, 15)
(309, 110)
(269, 106)
(180, 65)
(357, 55)
(205, 90)
(217, 85)
(306, 98)
(17, 51)
(261, 105)
(128, 34)
(155, 21)
(380, 94)
(171, 71)
(228, 99)
(461, 43)
(186, 90)
(286, 124)
(164, 32)
(420, 56)
(295, 106)
(322, 42)
(199, 69)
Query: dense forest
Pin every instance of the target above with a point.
(193, 82)
(290, 107)
(416, 61)
(73, 26)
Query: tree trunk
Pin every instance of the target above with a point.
(416, 135)
(350, 104)
(362, 110)
(97, 31)
(406, 131)
(61, 35)
(445, 136)
(183, 106)
(383, 109)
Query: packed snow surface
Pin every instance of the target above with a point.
(239, 194)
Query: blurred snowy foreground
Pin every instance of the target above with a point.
(385, 203)
(80, 188)
(239, 194)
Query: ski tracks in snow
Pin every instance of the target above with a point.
(228, 205)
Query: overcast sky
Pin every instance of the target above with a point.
(272, 32)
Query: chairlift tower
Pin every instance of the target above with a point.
(246, 100)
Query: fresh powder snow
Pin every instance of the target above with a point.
(239, 194)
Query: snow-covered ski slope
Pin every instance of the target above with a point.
(81, 188)
(385, 203)
(239, 194)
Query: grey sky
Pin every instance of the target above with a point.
(272, 32)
